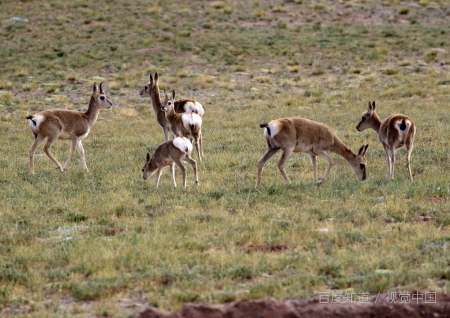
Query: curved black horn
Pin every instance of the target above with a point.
(101, 89)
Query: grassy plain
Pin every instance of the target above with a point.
(106, 243)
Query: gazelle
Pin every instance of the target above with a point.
(394, 132)
(297, 134)
(67, 125)
(151, 89)
(171, 153)
(187, 125)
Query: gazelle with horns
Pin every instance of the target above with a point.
(187, 125)
(151, 89)
(67, 125)
(394, 132)
(297, 134)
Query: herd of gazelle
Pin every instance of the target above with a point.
(183, 118)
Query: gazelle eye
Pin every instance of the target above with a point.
(170, 103)
(146, 87)
(102, 97)
(363, 119)
(143, 170)
(362, 166)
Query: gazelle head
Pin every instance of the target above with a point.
(149, 167)
(367, 118)
(151, 87)
(169, 102)
(359, 163)
(99, 97)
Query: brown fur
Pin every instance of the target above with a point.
(67, 125)
(177, 125)
(390, 137)
(297, 134)
(168, 155)
(151, 89)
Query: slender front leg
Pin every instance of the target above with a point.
(201, 144)
(50, 141)
(38, 139)
(323, 154)
(270, 152)
(72, 151)
(166, 133)
(284, 157)
(172, 172)
(314, 164)
(392, 153)
(81, 151)
(158, 176)
(183, 171)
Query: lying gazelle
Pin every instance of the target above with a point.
(171, 153)
(394, 132)
(183, 105)
(67, 125)
(297, 134)
(187, 125)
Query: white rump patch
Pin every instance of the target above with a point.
(407, 124)
(274, 127)
(37, 119)
(194, 107)
(183, 144)
(189, 119)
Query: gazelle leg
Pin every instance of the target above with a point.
(193, 163)
(198, 150)
(392, 161)
(284, 157)
(166, 134)
(409, 148)
(201, 144)
(72, 151)
(183, 171)
(314, 164)
(172, 172)
(158, 176)
(270, 152)
(323, 154)
(50, 141)
(388, 157)
(38, 139)
(81, 151)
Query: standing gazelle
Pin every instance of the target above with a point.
(297, 134)
(171, 153)
(187, 125)
(394, 132)
(67, 125)
(151, 89)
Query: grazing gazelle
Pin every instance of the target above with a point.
(297, 134)
(68, 125)
(171, 153)
(394, 132)
(151, 89)
(187, 125)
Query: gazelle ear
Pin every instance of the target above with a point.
(363, 150)
(373, 106)
(95, 88)
(100, 87)
(173, 94)
(156, 79)
(148, 157)
(151, 79)
(369, 109)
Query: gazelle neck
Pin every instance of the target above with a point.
(156, 100)
(92, 112)
(341, 149)
(375, 123)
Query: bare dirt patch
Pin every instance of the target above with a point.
(265, 248)
(311, 309)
